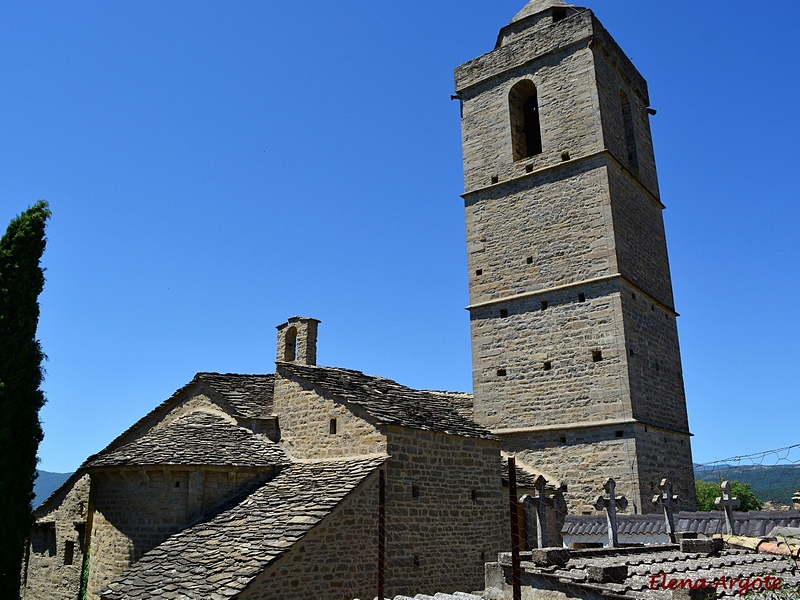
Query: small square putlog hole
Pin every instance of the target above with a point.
(501, 372)
(495, 179)
(529, 260)
(619, 433)
(547, 365)
(597, 355)
(581, 297)
(544, 304)
(478, 272)
(503, 313)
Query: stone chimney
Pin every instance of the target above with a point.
(297, 341)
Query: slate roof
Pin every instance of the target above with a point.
(389, 402)
(250, 395)
(198, 438)
(750, 524)
(221, 555)
(583, 567)
(525, 478)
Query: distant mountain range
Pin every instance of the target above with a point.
(772, 483)
(47, 483)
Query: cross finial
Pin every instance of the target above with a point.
(727, 503)
(610, 505)
(668, 502)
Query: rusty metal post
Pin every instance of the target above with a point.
(381, 533)
(516, 583)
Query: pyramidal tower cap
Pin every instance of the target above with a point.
(536, 6)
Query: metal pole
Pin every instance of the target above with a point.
(512, 505)
(381, 533)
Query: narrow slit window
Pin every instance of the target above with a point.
(333, 426)
(69, 552)
(630, 135)
(414, 491)
(563, 439)
(544, 304)
(526, 132)
(503, 313)
(581, 297)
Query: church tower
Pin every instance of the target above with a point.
(576, 364)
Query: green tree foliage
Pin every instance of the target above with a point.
(707, 492)
(21, 282)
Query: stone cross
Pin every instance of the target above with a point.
(610, 505)
(727, 504)
(668, 502)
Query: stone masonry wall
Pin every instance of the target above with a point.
(654, 362)
(336, 560)
(560, 220)
(639, 237)
(610, 82)
(445, 510)
(47, 575)
(567, 113)
(583, 458)
(665, 454)
(438, 537)
(551, 375)
(304, 418)
(134, 511)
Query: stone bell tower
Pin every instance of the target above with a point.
(576, 364)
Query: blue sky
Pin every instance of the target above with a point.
(215, 168)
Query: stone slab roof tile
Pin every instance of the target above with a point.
(750, 524)
(222, 554)
(647, 561)
(525, 477)
(389, 402)
(198, 438)
(251, 395)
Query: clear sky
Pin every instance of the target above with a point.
(214, 168)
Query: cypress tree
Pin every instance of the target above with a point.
(21, 282)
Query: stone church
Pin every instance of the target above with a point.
(281, 485)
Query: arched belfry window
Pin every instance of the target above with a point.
(526, 132)
(290, 349)
(630, 136)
